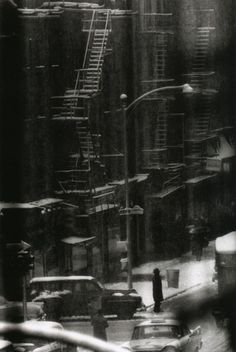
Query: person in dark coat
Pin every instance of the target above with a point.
(157, 290)
(99, 324)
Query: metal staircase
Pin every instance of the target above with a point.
(156, 21)
(154, 152)
(198, 131)
(83, 173)
(173, 175)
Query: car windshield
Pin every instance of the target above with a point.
(156, 331)
(47, 286)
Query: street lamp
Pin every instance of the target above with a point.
(186, 89)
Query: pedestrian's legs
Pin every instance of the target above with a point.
(199, 254)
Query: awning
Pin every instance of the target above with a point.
(199, 179)
(102, 207)
(46, 201)
(166, 192)
(30, 205)
(5, 205)
(77, 240)
(137, 178)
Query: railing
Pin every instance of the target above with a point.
(205, 18)
(153, 21)
(173, 181)
(95, 23)
(83, 78)
(104, 35)
(89, 39)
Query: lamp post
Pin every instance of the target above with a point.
(186, 89)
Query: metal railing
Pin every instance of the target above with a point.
(154, 21)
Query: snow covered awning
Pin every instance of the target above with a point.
(46, 202)
(30, 205)
(102, 207)
(72, 240)
(137, 178)
(199, 179)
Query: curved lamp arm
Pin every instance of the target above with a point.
(186, 89)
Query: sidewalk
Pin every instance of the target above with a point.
(191, 273)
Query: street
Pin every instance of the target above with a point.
(214, 338)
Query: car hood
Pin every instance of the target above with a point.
(151, 344)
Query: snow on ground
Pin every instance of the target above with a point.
(191, 273)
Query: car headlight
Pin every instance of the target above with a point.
(118, 294)
(169, 349)
(134, 294)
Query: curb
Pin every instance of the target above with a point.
(139, 316)
(180, 292)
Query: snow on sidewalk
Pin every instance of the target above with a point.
(191, 273)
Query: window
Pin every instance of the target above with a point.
(92, 287)
(78, 287)
(156, 331)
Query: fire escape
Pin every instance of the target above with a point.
(157, 22)
(82, 175)
(199, 131)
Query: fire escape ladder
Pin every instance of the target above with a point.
(88, 81)
(161, 56)
(199, 124)
(83, 171)
(155, 146)
(200, 73)
(173, 175)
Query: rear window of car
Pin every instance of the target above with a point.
(53, 286)
(156, 331)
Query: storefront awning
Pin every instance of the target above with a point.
(199, 179)
(30, 205)
(77, 240)
(102, 207)
(166, 192)
(137, 178)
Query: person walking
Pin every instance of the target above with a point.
(157, 290)
(99, 324)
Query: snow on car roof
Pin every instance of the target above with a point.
(42, 324)
(159, 321)
(60, 278)
(226, 243)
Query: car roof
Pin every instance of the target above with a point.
(42, 324)
(160, 321)
(60, 278)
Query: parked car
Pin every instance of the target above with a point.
(80, 295)
(36, 344)
(165, 334)
(13, 311)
